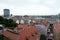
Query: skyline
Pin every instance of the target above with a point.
(30, 7)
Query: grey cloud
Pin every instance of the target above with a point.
(19, 2)
(16, 4)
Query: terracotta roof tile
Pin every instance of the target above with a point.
(29, 32)
(11, 35)
(57, 26)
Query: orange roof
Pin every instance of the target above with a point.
(29, 32)
(57, 26)
(43, 22)
(11, 35)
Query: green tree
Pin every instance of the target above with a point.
(1, 20)
(42, 37)
(8, 23)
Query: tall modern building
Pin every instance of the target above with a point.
(6, 12)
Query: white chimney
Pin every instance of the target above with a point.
(22, 21)
(17, 21)
(29, 22)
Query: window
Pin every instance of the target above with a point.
(27, 39)
(36, 33)
(32, 34)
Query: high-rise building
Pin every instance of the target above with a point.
(6, 12)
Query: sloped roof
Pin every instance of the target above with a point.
(57, 26)
(42, 29)
(29, 32)
(11, 35)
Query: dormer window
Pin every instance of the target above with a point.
(32, 34)
(27, 38)
(36, 33)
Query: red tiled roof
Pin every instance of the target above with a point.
(11, 35)
(57, 26)
(26, 32)
(43, 22)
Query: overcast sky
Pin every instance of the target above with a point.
(31, 7)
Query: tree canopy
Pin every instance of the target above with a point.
(8, 23)
(42, 37)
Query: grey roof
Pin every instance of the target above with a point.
(42, 29)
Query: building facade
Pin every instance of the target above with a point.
(6, 12)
